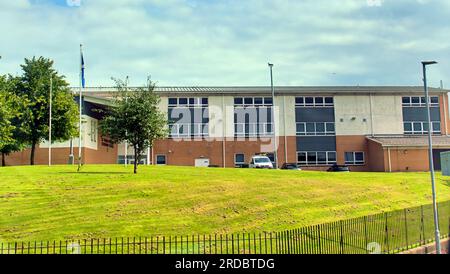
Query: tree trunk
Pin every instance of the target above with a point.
(33, 149)
(136, 157)
(3, 159)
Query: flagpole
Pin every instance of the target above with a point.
(126, 142)
(50, 125)
(81, 108)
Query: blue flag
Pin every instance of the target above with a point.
(83, 81)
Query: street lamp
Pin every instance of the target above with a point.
(430, 155)
(275, 150)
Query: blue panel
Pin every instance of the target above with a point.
(419, 114)
(313, 143)
(314, 114)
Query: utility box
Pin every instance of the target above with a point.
(201, 162)
(445, 163)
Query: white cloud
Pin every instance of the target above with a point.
(225, 42)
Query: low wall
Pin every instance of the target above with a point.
(431, 248)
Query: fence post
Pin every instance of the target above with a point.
(341, 242)
(386, 240)
(406, 229)
(422, 234)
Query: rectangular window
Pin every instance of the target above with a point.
(248, 101)
(161, 160)
(182, 101)
(239, 159)
(316, 158)
(238, 101)
(259, 101)
(173, 101)
(354, 158)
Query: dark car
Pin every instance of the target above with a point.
(291, 166)
(337, 168)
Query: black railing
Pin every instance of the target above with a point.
(389, 232)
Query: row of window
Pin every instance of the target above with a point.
(314, 101)
(417, 101)
(408, 101)
(253, 129)
(160, 159)
(421, 127)
(316, 129)
(253, 101)
(318, 158)
(188, 102)
(188, 130)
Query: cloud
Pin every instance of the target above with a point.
(229, 42)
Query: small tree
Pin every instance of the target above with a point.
(135, 118)
(34, 87)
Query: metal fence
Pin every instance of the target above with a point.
(390, 232)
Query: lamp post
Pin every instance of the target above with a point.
(430, 155)
(275, 150)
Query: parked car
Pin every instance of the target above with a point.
(261, 162)
(337, 168)
(290, 166)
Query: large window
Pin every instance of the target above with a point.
(418, 128)
(314, 102)
(315, 129)
(188, 117)
(416, 101)
(313, 158)
(354, 158)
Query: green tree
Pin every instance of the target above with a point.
(11, 109)
(34, 87)
(135, 117)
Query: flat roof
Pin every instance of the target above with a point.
(412, 141)
(281, 90)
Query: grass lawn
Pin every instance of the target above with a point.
(57, 203)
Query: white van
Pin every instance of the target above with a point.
(261, 162)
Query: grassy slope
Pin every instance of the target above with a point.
(41, 203)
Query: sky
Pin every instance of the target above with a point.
(230, 42)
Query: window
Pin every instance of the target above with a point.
(182, 101)
(315, 129)
(314, 101)
(416, 101)
(239, 159)
(161, 160)
(313, 158)
(173, 101)
(354, 158)
(418, 128)
(93, 131)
